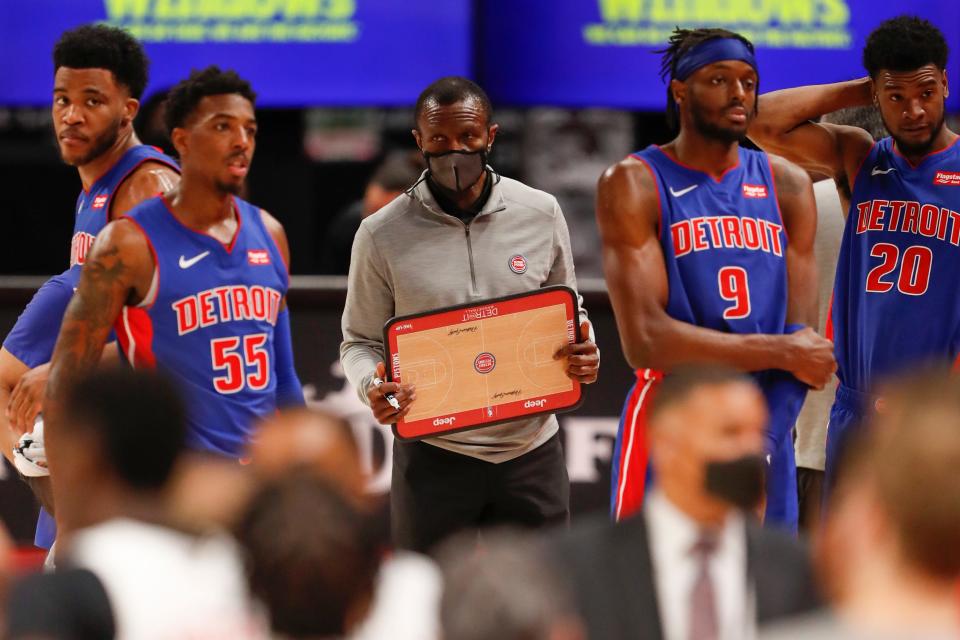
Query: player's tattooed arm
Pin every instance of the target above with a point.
(785, 125)
(808, 356)
(149, 180)
(118, 270)
(628, 215)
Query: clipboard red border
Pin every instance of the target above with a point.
(451, 316)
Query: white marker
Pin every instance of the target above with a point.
(392, 399)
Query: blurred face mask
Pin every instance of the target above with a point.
(739, 481)
(456, 171)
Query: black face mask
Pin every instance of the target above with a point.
(739, 481)
(456, 171)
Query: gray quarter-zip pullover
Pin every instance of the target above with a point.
(411, 257)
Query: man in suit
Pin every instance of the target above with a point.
(694, 564)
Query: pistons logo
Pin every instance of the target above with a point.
(518, 264)
(484, 363)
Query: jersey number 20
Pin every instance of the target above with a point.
(915, 269)
(734, 288)
(244, 361)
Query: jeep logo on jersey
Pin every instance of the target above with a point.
(947, 178)
(518, 264)
(100, 201)
(754, 190)
(258, 256)
(484, 363)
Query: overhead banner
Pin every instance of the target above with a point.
(294, 52)
(603, 52)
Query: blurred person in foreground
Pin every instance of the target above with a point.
(310, 559)
(124, 573)
(890, 548)
(833, 201)
(397, 173)
(694, 563)
(505, 588)
(408, 584)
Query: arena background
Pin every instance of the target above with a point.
(575, 87)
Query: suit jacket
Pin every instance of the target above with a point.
(611, 576)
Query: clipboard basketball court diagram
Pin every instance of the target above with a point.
(484, 363)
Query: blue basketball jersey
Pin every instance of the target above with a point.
(895, 302)
(209, 321)
(724, 244)
(93, 205)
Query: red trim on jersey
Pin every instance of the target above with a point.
(828, 327)
(956, 365)
(156, 261)
(932, 153)
(853, 178)
(656, 186)
(776, 198)
(678, 163)
(227, 247)
(108, 207)
(634, 456)
(276, 244)
(134, 330)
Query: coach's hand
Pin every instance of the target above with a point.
(376, 395)
(26, 398)
(583, 358)
(810, 358)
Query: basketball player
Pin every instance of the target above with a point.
(895, 304)
(195, 283)
(708, 256)
(99, 75)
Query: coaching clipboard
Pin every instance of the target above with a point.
(484, 363)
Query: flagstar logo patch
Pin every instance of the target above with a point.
(258, 256)
(947, 178)
(754, 191)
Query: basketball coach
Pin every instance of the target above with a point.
(462, 233)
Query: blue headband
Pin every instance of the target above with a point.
(713, 51)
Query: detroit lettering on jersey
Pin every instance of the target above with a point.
(93, 205)
(895, 302)
(726, 232)
(226, 304)
(928, 220)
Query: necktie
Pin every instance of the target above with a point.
(703, 602)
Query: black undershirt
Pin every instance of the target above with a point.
(450, 207)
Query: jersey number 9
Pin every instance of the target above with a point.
(734, 288)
